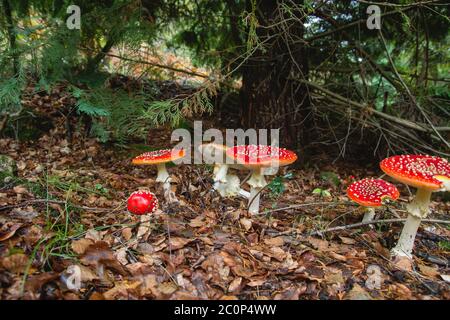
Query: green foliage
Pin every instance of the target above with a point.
(277, 185)
(330, 177)
(444, 245)
(10, 95)
(321, 192)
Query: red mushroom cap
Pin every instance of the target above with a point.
(418, 171)
(371, 192)
(142, 202)
(159, 156)
(256, 156)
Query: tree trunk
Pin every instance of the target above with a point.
(93, 63)
(11, 34)
(270, 95)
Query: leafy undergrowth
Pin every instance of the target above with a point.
(64, 218)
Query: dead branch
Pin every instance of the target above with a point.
(403, 122)
(28, 202)
(361, 224)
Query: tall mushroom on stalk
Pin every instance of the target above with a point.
(224, 183)
(370, 193)
(257, 158)
(426, 173)
(160, 158)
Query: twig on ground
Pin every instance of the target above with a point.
(25, 203)
(300, 206)
(360, 224)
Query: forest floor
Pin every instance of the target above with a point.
(64, 214)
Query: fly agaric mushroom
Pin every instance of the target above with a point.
(371, 193)
(142, 203)
(225, 184)
(427, 174)
(160, 158)
(256, 158)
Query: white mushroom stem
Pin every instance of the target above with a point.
(420, 206)
(406, 242)
(256, 182)
(144, 226)
(369, 215)
(220, 179)
(164, 178)
(244, 193)
(163, 175)
(231, 187)
(417, 210)
(220, 173)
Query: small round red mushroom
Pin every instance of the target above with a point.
(160, 158)
(256, 158)
(142, 202)
(427, 174)
(370, 193)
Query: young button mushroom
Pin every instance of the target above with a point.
(371, 193)
(256, 158)
(160, 158)
(142, 203)
(226, 184)
(427, 174)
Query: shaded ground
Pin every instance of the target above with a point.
(66, 208)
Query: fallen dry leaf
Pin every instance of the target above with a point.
(347, 240)
(93, 235)
(403, 263)
(10, 231)
(127, 233)
(197, 222)
(235, 285)
(15, 263)
(357, 293)
(178, 243)
(80, 246)
(319, 244)
(276, 253)
(167, 288)
(98, 254)
(121, 290)
(428, 271)
(20, 190)
(276, 242)
(246, 223)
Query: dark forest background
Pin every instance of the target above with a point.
(311, 68)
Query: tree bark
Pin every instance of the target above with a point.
(271, 97)
(92, 65)
(11, 34)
